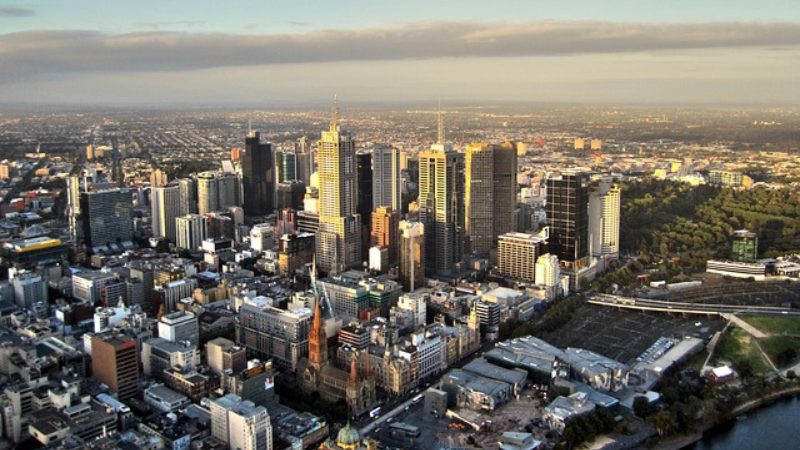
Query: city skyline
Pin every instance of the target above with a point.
(621, 52)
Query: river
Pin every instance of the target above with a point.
(772, 427)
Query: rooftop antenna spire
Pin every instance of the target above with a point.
(249, 126)
(440, 137)
(335, 120)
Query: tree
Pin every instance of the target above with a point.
(664, 422)
(642, 407)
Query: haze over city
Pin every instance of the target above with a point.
(299, 53)
(374, 225)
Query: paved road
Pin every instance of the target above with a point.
(400, 408)
(644, 304)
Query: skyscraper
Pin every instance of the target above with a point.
(412, 255)
(207, 193)
(339, 236)
(290, 194)
(385, 232)
(568, 218)
(188, 188)
(441, 190)
(386, 182)
(364, 175)
(229, 190)
(258, 176)
(165, 204)
(217, 191)
(479, 197)
(490, 184)
(604, 215)
(505, 189)
(306, 161)
(287, 166)
(106, 217)
(190, 231)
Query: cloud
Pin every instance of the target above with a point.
(167, 25)
(40, 53)
(6, 11)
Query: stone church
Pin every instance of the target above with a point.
(317, 373)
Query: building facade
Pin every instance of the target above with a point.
(568, 218)
(190, 230)
(412, 255)
(441, 207)
(106, 217)
(165, 202)
(115, 362)
(258, 176)
(385, 231)
(517, 254)
(604, 218)
(338, 240)
(386, 181)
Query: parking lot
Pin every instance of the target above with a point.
(623, 334)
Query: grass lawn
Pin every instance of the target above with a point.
(782, 350)
(774, 325)
(739, 348)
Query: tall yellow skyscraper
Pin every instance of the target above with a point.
(441, 206)
(339, 236)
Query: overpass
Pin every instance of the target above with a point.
(707, 309)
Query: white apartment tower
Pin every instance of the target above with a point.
(604, 215)
(338, 241)
(548, 272)
(191, 230)
(166, 207)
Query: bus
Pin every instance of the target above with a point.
(405, 430)
(375, 412)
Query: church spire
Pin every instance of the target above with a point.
(367, 368)
(317, 339)
(353, 369)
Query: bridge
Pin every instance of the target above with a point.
(707, 309)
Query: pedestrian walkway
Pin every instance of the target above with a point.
(751, 330)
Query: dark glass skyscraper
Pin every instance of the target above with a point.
(258, 176)
(288, 166)
(364, 201)
(568, 218)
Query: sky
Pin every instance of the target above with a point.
(301, 52)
